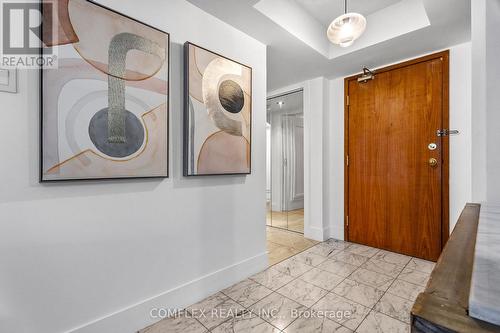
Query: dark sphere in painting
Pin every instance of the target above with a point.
(231, 96)
(134, 134)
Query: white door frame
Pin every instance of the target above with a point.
(315, 101)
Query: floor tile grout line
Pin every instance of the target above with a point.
(198, 319)
(331, 292)
(396, 277)
(364, 284)
(345, 298)
(246, 309)
(301, 251)
(298, 277)
(370, 309)
(393, 294)
(388, 315)
(328, 291)
(286, 258)
(311, 307)
(291, 246)
(293, 234)
(281, 330)
(208, 330)
(373, 309)
(345, 261)
(273, 292)
(396, 265)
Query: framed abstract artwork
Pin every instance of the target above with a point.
(217, 114)
(105, 108)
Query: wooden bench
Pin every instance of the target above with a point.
(443, 306)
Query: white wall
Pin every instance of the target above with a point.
(106, 252)
(478, 121)
(335, 167)
(486, 100)
(460, 118)
(493, 99)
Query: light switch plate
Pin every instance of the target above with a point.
(8, 80)
(4, 77)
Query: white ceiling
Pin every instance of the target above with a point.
(325, 11)
(292, 58)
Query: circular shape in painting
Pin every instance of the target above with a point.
(134, 134)
(224, 153)
(231, 96)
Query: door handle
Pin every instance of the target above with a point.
(433, 162)
(447, 132)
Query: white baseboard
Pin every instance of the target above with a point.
(321, 235)
(317, 234)
(336, 230)
(137, 316)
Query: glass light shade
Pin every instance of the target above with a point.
(345, 29)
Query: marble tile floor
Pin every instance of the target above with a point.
(282, 244)
(336, 286)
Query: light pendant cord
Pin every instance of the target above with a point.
(345, 6)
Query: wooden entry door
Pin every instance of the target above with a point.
(396, 194)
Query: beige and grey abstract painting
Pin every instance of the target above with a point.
(218, 114)
(105, 108)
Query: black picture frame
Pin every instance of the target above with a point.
(41, 112)
(186, 118)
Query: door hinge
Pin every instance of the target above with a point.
(347, 160)
(347, 220)
(348, 100)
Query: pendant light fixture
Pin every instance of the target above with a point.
(345, 29)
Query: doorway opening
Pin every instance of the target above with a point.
(285, 164)
(285, 176)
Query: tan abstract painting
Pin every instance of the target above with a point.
(218, 114)
(105, 108)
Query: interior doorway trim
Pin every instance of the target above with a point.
(315, 92)
(279, 94)
(445, 199)
(291, 92)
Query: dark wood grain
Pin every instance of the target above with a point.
(451, 277)
(443, 306)
(368, 167)
(394, 199)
